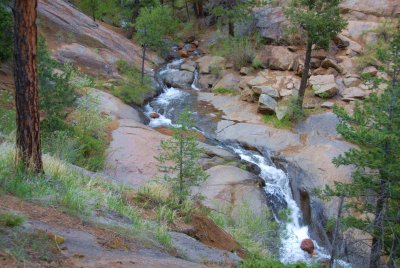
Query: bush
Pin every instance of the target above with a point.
(6, 42)
(269, 263)
(132, 91)
(238, 50)
(10, 220)
(225, 91)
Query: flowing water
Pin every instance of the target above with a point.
(172, 101)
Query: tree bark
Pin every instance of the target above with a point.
(304, 78)
(231, 28)
(336, 234)
(143, 58)
(26, 86)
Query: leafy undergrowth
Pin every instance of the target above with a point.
(225, 91)
(271, 119)
(130, 89)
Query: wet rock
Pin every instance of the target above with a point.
(229, 187)
(270, 91)
(324, 85)
(179, 79)
(266, 104)
(229, 81)
(154, 115)
(331, 63)
(307, 245)
(188, 66)
(184, 53)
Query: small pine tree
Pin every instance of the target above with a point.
(233, 11)
(375, 190)
(152, 26)
(179, 159)
(321, 21)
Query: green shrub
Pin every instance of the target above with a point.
(10, 220)
(225, 91)
(285, 123)
(131, 90)
(238, 50)
(163, 236)
(269, 263)
(6, 42)
(257, 64)
(7, 113)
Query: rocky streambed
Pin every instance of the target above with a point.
(290, 163)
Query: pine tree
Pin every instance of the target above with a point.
(179, 159)
(29, 152)
(375, 190)
(320, 21)
(152, 26)
(234, 11)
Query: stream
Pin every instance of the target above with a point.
(172, 101)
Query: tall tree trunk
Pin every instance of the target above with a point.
(231, 28)
(26, 85)
(336, 234)
(376, 249)
(187, 10)
(143, 58)
(304, 78)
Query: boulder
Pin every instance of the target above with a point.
(270, 22)
(307, 245)
(207, 81)
(229, 80)
(194, 251)
(230, 187)
(270, 91)
(244, 70)
(353, 93)
(370, 70)
(188, 66)
(360, 31)
(315, 63)
(324, 85)
(179, 79)
(352, 47)
(184, 53)
(207, 63)
(327, 104)
(280, 58)
(154, 115)
(266, 104)
(351, 81)
(380, 8)
(257, 81)
(248, 95)
(331, 63)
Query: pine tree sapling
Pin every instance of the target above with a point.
(320, 21)
(152, 26)
(179, 159)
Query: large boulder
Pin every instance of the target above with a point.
(266, 104)
(331, 63)
(229, 187)
(257, 81)
(270, 91)
(324, 85)
(353, 93)
(179, 79)
(207, 63)
(270, 22)
(229, 81)
(360, 31)
(379, 8)
(279, 58)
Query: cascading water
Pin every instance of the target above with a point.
(169, 104)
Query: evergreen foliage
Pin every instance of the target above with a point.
(6, 42)
(179, 159)
(320, 21)
(375, 190)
